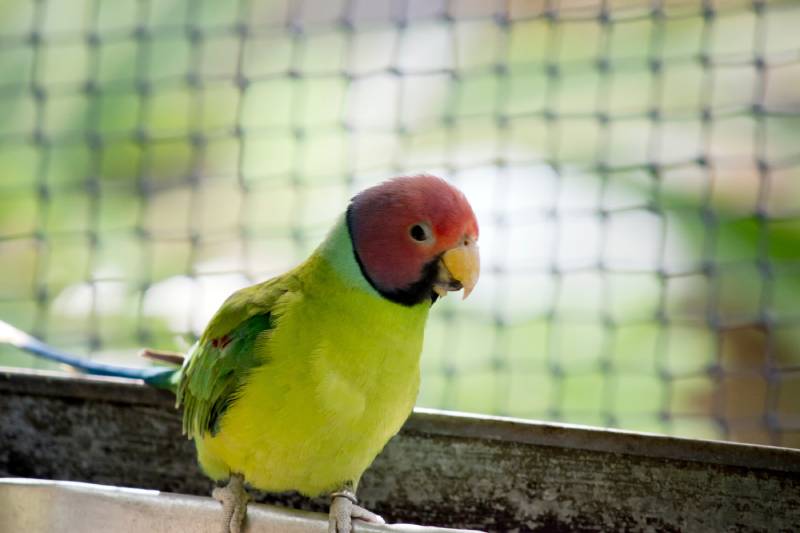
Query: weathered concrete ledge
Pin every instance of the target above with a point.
(444, 470)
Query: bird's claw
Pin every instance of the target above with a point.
(344, 508)
(233, 498)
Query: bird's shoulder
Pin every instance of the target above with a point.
(227, 352)
(248, 302)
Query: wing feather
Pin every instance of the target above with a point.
(219, 363)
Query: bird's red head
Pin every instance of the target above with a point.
(415, 238)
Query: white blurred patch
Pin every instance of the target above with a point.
(187, 304)
(80, 299)
(11, 335)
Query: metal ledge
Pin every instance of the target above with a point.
(442, 469)
(35, 506)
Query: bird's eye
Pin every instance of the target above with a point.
(420, 232)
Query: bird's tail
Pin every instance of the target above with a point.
(159, 377)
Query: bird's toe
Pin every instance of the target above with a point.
(233, 498)
(342, 512)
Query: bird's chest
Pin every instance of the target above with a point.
(371, 380)
(363, 369)
(338, 385)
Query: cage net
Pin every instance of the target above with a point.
(634, 166)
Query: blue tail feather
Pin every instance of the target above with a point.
(18, 338)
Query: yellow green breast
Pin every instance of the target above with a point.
(341, 376)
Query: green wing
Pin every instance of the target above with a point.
(221, 360)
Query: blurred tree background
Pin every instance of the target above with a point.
(634, 165)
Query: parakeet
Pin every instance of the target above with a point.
(297, 383)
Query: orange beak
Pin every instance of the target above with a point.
(462, 268)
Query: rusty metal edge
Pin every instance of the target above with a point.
(450, 423)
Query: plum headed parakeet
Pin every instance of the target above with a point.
(297, 383)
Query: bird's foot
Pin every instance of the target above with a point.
(344, 508)
(233, 498)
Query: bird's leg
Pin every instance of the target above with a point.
(344, 507)
(233, 498)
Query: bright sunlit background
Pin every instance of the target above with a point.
(634, 165)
